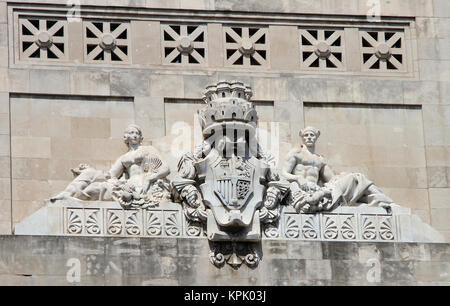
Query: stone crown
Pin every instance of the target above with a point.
(227, 101)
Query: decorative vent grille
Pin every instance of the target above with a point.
(246, 46)
(106, 42)
(184, 44)
(322, 48)
(42, 39)
(345, 46)
(383, 50)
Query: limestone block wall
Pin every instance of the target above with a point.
(38, 260)
(69, 102)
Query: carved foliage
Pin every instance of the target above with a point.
(74, 221)
(386, 231)
(153, 223)
(114, 222)
(309, 229)
(271, 231)
(246, 46)
(80, 221)
(42, 39)
(368, 230)
(234, 254)
(93, 219)
(330, 227)
(322, 48)
(193, 229)
(348, 231)
(172, 223)
(133, 223)
(292, 228)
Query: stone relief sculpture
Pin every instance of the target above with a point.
(314, 187)
(87, 185)
(136, 180)
(229, 190)
(228, 183)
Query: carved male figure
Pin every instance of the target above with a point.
(314, 187)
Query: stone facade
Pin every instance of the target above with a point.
(41, 136)
(37, 260)
(73, 78)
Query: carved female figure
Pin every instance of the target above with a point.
(136, 179)
(138, 176)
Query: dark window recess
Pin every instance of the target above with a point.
(201, 51)
(60, 32)
(376, 65)
(99, 57)
(124, 49)
(176, 28)
(261, 40)
(239, 61)
(228, 38)
(262, 53)
(238, 31)
(192, 60)
(305, 42)
(254, 62)
(366, 57)
(167, 37)
(123, 35)
(315, 63)
(177, 59)
(89, 34)
(98, 25)
(230, 52)
(337, 42)
(200, 38)
(398, 57)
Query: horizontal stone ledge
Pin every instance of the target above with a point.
(403, 8)
(109, 219)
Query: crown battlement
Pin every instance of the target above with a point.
(227, 101)
(227, 89)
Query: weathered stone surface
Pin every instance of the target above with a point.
(112, 261)
(62, 114)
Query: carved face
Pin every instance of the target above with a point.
(132, 136)
(309, 138)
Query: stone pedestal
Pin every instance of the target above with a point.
(109, 219)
